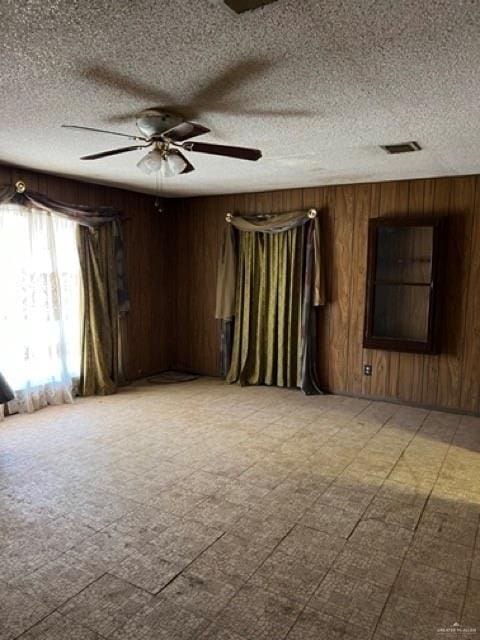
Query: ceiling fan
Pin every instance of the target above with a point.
(167, 133)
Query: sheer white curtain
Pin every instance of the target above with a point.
(39, 306)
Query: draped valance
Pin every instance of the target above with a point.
(84, 215)
(91, 217)
(263, 223)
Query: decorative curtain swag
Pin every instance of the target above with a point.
(91, 217)
(269, 280)
(264, 223)
(105, 295)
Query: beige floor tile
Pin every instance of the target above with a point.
(288, 576)
(147, 569)
(23, 556)
(453, 502)
(351, 599)
(414, 494)
(371, 565)
(244, 493)
(471, 611)
(58, 580)
(143, 524)
(265, 475)
(211, 491)
(260, 528)
(405, 618)
(176, 500)
(315, 625)
(440, 553)
(186, 540)
(203, 595)
(431, 587)
(259, 614)
(230, 560)
(475, 569)
(102, 510)
(377, 535)
(105, 605)
(205, 483)
(214, 632)
(393, 512)
(217, 512)
(330, 520)
(64, 532)
(18, 611)
(229, 466)
(446, 526)
(349, 496)
(312, 546)
(104, 549)
(162, 620)
(57, 627)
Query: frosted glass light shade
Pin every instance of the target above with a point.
(154, 161)
(151, 162)
(176, 163)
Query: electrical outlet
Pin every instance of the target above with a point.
(367, 369)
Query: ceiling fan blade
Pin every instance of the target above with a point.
(122, 117)
(189, 168)
(185, 130)
(242, 153)
(114, 152)
(112, 133)
(230, 80)
(120, 82)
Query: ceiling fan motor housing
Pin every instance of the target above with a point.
(153, 122)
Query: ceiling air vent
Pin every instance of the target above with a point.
(402, 147)
(239, 6)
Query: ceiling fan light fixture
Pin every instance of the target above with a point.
(169, 165)
(151, 162)
(176, 163)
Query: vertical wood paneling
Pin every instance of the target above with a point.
(368, 354)
(470, 399)
(458, 261)
(363, 199)
(381, 359)
(451, 379)
(340, 298)
(198, 228)
(172, 264)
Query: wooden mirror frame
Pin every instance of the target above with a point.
(431, 344)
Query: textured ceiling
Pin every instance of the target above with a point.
(316, 84)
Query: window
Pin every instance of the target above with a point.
(39, 302)
(402, 284)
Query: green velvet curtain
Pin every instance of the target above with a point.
(267, 342)
(101, 365)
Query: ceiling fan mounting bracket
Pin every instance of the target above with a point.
(153, 122)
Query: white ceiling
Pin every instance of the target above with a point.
(332, 80)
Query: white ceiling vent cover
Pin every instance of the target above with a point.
(402, 147)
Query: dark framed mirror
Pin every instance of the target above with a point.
(403, 284)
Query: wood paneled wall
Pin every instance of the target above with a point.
(451, 379)
(148, 322)
(172, 263)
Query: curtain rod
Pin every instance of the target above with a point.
(311, 213)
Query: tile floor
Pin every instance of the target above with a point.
(201, 511)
